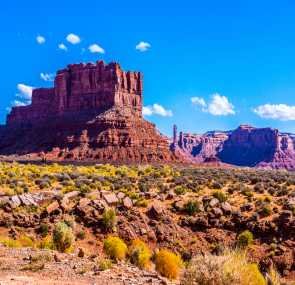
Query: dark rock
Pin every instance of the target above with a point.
(226, 207)
(156, 211)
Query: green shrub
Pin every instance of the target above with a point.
(245, 239)
(220, 196)
(63, 237)
(105, 264)
(180, 190)
(115, 248)
(265, 211)
(192, 207)
(43, 230)
(109, 219)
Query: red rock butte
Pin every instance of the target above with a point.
(94, 112)
(83, 87)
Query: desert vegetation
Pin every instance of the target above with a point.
(186, 223)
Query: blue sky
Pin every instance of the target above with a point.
(210, 64)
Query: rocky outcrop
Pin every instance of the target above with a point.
(94, 112)
(82, 88)
(245, 146)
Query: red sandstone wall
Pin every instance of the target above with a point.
(83, 87)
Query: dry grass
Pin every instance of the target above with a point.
(231, 268)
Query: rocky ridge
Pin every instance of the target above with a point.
(244, 146)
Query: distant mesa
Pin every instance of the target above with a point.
(245, 146)
(94, 112)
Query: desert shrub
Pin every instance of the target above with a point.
(43, 230)
(140, 254)
(115, 248)
(109, 219)
(230, 268)
(63, 237)
(247, 192)
(180, 190)
(105, 264)
(192, 207)
(265, 211)
(220, 196)
(168, 264)
(245, 239)
(46, 243)
(26, 241)
(8, 242)
(141, 202)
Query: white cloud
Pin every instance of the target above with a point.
(280, 112)
(143, 46)
(218, 106)
(156, 109)
(73, 39)
(198, 101)
(25, 91)
(95, 48)
(47, 76)
(17, 103)
(40, 40)
(62, 47)
(25, 95)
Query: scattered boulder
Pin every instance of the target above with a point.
(27, 200)
(84, 202)
(156, 211)
(226, 208)
(111, 199)
(127, 203)
(52, 207)
(171, 195)
(217, 212)
(213, 202)
(15, 201)
(121, 195)
(71, 195)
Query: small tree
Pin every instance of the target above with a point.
(63, 237)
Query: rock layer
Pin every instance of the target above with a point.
(94, 112)
(245, 146)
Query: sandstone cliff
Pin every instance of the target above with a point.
(245, 146)
(94, 112)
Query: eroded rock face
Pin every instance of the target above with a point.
(245, 146)
(94, 112)
(89, 88)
